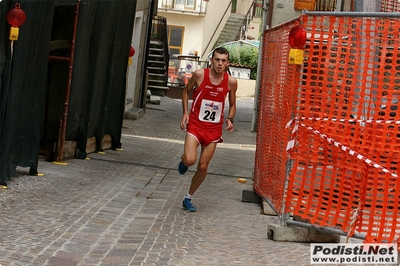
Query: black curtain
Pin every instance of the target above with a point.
(99, 75)
(22, 86)
(96, 104)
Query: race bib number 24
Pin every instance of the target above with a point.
(210, 111)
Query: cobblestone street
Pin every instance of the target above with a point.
(124, 207)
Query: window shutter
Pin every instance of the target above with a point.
(304, 4)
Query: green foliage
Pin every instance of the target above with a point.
(154, 36)
(246, 56)
(234, 56)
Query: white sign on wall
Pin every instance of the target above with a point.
(240, 73)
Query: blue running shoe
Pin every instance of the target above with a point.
(182, 168)
(187, 204)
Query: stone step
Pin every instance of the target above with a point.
(157, 70)
(154, 99)
(156, 44)
(134, 113)
(155, 64)
(158, 90)
(157, 56)
(156, 50)
(157, 81)
(230, 29)
(157, 76)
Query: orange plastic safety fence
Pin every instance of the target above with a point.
(346, 137)
(390, 6)
(274, 111)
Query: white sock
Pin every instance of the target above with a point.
(187, 196)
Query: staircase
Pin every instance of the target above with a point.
(157, 69)
(230, 30)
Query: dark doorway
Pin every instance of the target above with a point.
(234, 5)
(58, 67)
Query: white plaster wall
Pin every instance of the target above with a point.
(194, 30)
(134, 76)
(131, 93)
(254, 28)
(243, 6)
(214, 17)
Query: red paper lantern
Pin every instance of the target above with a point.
(297, 37)
(16, 16)
(131, 51)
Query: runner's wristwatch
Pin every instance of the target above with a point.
(231, 119)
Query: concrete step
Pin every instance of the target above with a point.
(154, 99)
(156, 44)
(157, 76)
(157, 56)
(156, 82)
(230, 29)
(156, 63)
(282, 233)
(134, 113)
(157, 70)
(156, 49)
(158, 90)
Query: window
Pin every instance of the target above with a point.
(234, 4)
(165, 3)
(190, 4)
(175, 39)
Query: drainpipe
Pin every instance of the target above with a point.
(266, 23)
(270, 5)
(63, 124)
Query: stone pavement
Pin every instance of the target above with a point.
(124, 207)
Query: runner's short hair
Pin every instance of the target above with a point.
(220, 50)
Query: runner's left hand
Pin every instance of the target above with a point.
(229, 126)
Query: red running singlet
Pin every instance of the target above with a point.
(207, 111)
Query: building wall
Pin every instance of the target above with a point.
(254, 29)
(134, 82)
(283, 10)
(194, 30)
(213, 24)
(243, 6)
(202, 30)
(368, 5)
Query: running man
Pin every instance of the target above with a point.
(205, 122)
